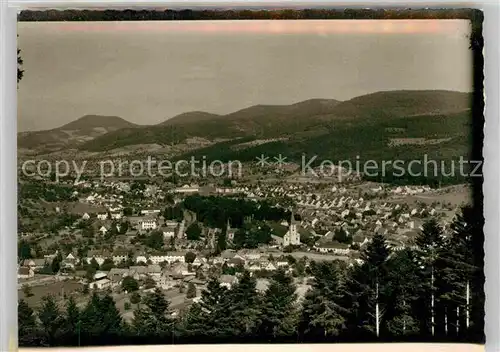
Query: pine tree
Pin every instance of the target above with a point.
(279, 311)
(403, 290)
(154, 318)
(26, 324)
(464, 275)
(322, 313)
(366, 296)
(51, 319)
(213, 308)
(194, 322)
(100, 319)
(243, 305)
(71, 320)
(430, 244)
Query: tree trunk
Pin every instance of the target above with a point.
(377, 318)
(467, 299)
(404, 320)
(432, 300)
(446, 320)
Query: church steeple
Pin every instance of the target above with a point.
(292, 218)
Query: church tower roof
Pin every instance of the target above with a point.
(292, 218)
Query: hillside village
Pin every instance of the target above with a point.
(113, 232)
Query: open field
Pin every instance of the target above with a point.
(57, 289)
(455, 195)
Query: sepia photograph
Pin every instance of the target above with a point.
(220, 177)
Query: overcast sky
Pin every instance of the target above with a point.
(146, 72)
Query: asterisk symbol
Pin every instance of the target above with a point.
(262, 160)
(280, 160)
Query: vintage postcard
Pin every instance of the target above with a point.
(249, 177)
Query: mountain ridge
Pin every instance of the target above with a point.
(310, 117)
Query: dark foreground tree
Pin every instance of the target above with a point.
(322, 313)
(51, 319)
(154, 318)
(279, 315)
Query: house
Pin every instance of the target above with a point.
(148, 224)
(187, 189)
(70, 261)
(100, 284)
(292, 236)
(85, 216)
(138, 271)
(25, 272)
(100, 275)
(35, 263)
(119, 257)
(236, 261)
(197, 262)
(225, 256)
(103, 230)
(333, 247)
(116, 216)
(141, 258)
(228, 281)
(154, 270)
(102, 216)
(99, 258)
(116, 275)
(171, 223)
(270, 267)
(158, 258)
(173, 257)
(254, 267)
(150, 211)
(252, 256)
(168, 231)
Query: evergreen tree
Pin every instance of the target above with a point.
(129, 284)
(464, 275)
(51, 319)
(56, 263)
(430, 244)
(101, 319)
(366, 287)
(193, 232)
(279, 311)
(244, 307)
(221, 242)
(71, 319)
(322, 312)
(403, 290)
(26, 324)
(154, 318)
(213, 306)
(194, 322)
(23, 250)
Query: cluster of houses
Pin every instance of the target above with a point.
(167, 265)
(324, 212)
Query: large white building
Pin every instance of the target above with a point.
(148, 224)
(292, 236)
